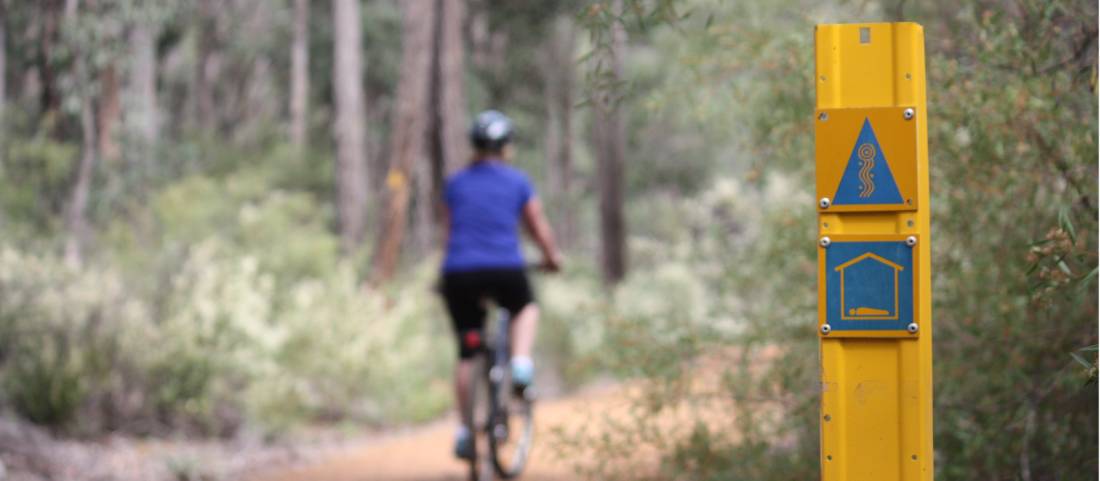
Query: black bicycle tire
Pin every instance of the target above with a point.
(479, 466)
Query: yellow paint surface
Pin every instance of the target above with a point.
(876, 402)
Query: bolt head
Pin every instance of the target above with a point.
(911, 241)
(823, 116)
(912, 328)
(825, 241)
(824, 202)
(826, 329)
(908, 114)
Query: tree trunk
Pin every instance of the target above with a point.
(406, 141)
(50, 97)
(3, 75)
(425, 222)
(109, 112)
(611, 139)
(75, 220)
(299, 74)
(558, 74)
(351, 161)
(144, 116)
(450, 146)
(202, 100)
(452, 70)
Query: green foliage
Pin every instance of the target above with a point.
(1013, 137)
(67, 337)
(45, 385)
(1090, 365)
(227, 304)
(35, 173)
(1017, 233)
(244, 211)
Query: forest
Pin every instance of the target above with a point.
(220, 223)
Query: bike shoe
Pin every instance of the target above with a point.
(523, 376)
(464, 447)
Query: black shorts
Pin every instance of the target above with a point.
(466, 294)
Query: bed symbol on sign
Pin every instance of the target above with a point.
(869, 288)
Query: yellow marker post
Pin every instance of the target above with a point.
(874, 287)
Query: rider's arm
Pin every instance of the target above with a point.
(539, 229)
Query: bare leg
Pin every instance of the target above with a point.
(524, 327)
(463, 375)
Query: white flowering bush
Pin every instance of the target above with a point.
(225, 346)
(243, 313)
(64, 332)
(352, 351)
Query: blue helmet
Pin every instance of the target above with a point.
(491, 130)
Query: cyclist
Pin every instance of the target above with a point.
(485, 202)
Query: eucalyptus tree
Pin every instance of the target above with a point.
(349, 124)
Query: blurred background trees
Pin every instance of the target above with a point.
(216, 179)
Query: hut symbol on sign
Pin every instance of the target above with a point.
(869, 288)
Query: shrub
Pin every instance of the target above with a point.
(65, 331)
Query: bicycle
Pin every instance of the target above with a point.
(503, 416)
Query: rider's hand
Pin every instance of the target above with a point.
(552, 263)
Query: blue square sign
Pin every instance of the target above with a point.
(869, 286)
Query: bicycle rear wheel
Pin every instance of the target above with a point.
(481, 467)
(512, 424)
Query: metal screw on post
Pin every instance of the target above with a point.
(908, 114)
(823, 116)
(824, 202)
(826, 329)
(825, 241)
(912, 328)
(911, 241)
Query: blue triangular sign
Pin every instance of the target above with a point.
(867, 178)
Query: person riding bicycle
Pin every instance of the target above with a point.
(484, 204)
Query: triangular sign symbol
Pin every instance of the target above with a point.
(867, 178)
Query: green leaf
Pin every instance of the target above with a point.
(1086, 281)
(1081, 360)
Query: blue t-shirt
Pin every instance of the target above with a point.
(486, 202)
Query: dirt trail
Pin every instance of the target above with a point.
(605, 419)
(424, 454)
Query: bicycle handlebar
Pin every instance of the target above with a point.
(540, 267)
